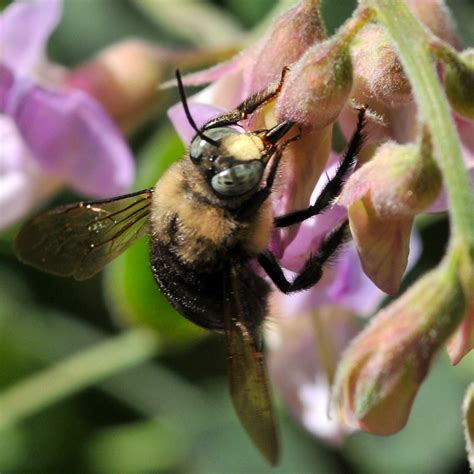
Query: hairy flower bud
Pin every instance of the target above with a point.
(382, 198)
(124, 79)
(319, 84)
(289, 37)
(459, 82)
(377, 69)
(380, 373)
(462, 342)
(437, 17)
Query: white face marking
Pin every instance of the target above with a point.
(238, 179)
(243, 147)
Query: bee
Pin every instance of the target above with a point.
(209, 218)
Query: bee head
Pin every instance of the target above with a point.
(232, 162)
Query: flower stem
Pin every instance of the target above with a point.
(75, 373)
(413, 47)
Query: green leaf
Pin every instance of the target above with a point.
(163, 149)
(138, 447)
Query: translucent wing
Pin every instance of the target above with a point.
(249, 385)
(78, 240)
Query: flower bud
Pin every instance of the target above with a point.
(459, 83)
(382, 198)
(468, 419)
(437, 17)
(319, 84)
(289, 37)
(124, 78)
(379, 375)
(462, 342)
(377, 69)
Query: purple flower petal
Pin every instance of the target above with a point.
(312, 230)
(72, 138)
(205, 76)
(201, 113)
(6, 84)
(298, 370)
(22, 184)
(25, 27)
(344, 283)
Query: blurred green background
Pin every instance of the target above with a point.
(173, 413)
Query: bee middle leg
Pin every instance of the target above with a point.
(312, 270)
(333, 186)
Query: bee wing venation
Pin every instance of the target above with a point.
(249, 384)
(78, 240)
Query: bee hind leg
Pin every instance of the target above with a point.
(312, 270)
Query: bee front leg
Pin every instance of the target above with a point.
(248, 106)
(333, 186)
(313, 268)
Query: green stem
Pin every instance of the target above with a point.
(414, 51)
(75, 373)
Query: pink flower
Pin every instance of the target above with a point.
(309, 330)
(53, 136)
(295, 360)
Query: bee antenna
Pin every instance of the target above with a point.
(188, 113)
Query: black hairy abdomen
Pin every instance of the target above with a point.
(197, 292)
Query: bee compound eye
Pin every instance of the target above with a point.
(238, 179)
(200, 147)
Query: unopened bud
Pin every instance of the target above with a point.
(319, 84)
(377, 69)
(402, 180)
(124, 78)
(462, 341)
(459, 82)
(380, 373)
(289, 37)
(382, 198)
(437, 17)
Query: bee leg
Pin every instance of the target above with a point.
(312, 270)
(249, 105)
(334, 186)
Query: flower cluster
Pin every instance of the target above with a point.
(398, 177)
(65, 127)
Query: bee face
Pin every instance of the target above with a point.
(232, 162)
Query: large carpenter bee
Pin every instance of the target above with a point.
(208, 217)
